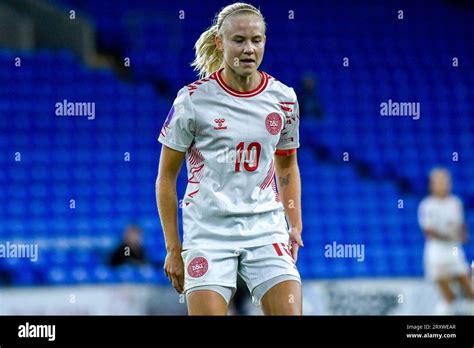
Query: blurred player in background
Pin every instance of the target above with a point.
(236, 128)
(441, 218)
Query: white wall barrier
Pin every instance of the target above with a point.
(340, 297)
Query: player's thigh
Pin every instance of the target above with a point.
(465, 283)
(445, 287)
(285, 298)
(211, 274)
(206, 301)
(271, 267)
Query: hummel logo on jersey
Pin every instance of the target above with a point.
(220, 124)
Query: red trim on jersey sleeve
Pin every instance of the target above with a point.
(192, 86)
(285, 152)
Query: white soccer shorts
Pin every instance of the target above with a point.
(256, 265)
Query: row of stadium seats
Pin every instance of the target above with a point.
(352, 202)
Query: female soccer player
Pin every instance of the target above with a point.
(441, 218)
(236, 128)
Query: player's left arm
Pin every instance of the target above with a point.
(463, 230)
(464, 227)
(465, 233)
(289, 188)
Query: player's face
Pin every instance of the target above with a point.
(243, 42)
(440, 184)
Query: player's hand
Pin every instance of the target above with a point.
(295, 242)
(174, 270)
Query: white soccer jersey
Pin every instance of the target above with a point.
(443, 259)
(445, 215)
(230, 139)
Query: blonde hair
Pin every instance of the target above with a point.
(208, 58)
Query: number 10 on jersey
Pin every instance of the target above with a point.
(251, 156)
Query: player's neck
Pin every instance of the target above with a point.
(241, 83)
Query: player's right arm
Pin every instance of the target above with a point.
(432, 233)
(464, 230)
(176, 135)
(167, 201)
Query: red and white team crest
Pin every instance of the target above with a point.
(198, 267)
(273, 123)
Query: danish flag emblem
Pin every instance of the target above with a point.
(220, 124)
(273, 123)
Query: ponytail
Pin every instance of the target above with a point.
(208, 58)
